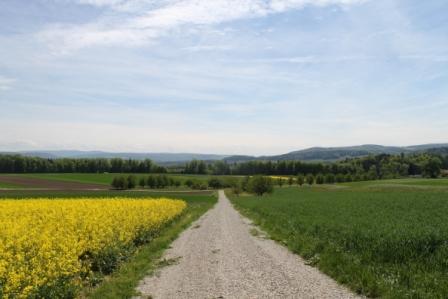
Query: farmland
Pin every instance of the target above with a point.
(58, 247)
(104, 179)
(381, 238)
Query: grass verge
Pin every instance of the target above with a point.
(123, 282)
(389, 243)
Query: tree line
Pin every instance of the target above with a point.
(383, 166)
(152, 182)
(24, 164)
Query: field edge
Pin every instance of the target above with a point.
(124, 281)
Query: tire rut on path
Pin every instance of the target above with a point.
(218, 257)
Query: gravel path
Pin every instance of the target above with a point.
(218, 257)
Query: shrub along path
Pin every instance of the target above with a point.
(223, 256)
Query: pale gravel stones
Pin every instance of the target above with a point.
(218, 257)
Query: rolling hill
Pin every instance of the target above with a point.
(310, 154)
(338, 153)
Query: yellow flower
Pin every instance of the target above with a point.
(44, 243)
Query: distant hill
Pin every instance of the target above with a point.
(339, 153)
(310, 154)
(157, 157)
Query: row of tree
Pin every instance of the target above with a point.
(23, 164)
(371, 167)
(151, 181)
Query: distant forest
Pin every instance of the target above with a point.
(23, 164)
(380, 166)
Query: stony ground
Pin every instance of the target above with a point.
(223, 256)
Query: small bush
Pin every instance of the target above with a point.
(319, 179)
(290, 181)
(340, 178)
(151, 182)
(348, 178)
(131, 181)
(215, 183)
(330, 178)
(245, 183)
(260, 185)
(120, 183)
(189, 183)
(280, 182)
(197, 185)
(310, 179)
(142, 182)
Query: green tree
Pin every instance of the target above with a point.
(189, 183)
(330, 178)
(151, 182)
(202, 167)
(432, 167)
(320, 179)
(261, 185)
(215, 183)
(142, 182)
(310, 179)
(165, 181)
(131, 181)
(300, 179)
(280, 182)
(290, 181)
(340, 178)
(120, 183)
(348, 178)
(160, 182)
(245, 183)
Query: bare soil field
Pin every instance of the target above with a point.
(44, 184)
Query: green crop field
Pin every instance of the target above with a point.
(106, 178)
(8, 185)
(380, 238)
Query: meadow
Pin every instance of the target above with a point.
(381, 238)
(65, 245)
(106, 178)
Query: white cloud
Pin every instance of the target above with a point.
(141, 21)
(6, 83)
(101, 2)
(432, 58)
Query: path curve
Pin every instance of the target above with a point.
(218, 257)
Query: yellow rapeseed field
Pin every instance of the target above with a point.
(279, 177)
(48, 248)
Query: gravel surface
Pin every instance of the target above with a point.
(220, 256)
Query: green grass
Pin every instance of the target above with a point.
(106, 178)
(379, 241)
(413, 182)
(8, 185)
(123, 282)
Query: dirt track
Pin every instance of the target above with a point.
(37, 183)
(218, 257)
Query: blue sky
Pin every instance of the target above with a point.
(222, 76)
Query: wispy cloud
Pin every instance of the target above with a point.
(313, 59)
(268, 75)
(140, 22)
(6, 83)
(432, 58)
